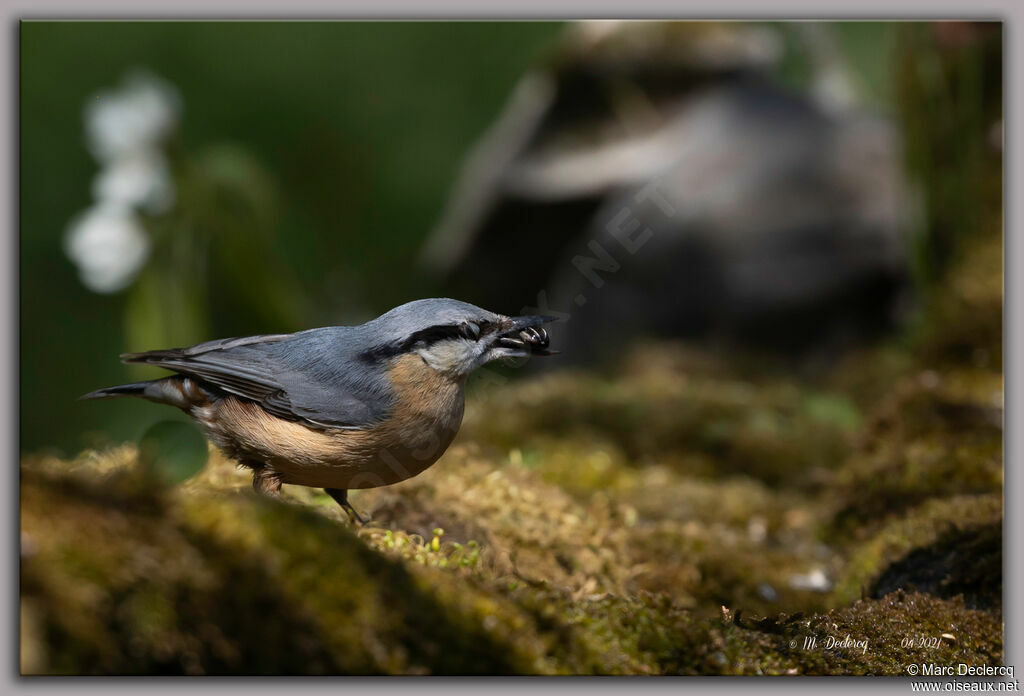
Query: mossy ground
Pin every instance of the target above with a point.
(679, 515)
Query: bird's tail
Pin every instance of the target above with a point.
(133, 389)
(175, 390)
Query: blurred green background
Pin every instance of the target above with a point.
(358, 128)
(319, 156)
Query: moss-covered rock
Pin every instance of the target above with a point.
(925, 549)
(870, 637)
(775, 430)
(962, 562)
(682, 515)
(525, 578)
(143, 583)
(933, 436)
(121, 578)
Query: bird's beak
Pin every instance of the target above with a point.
(521, 333)
(519, 323)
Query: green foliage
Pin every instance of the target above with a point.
(949, 76)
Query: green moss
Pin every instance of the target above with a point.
(885, 635)
(966, 562)
(773, 429)
(934, 436)
(209, 579)
(233, 584)
(581, 524)
(650, 634)
(932, 525)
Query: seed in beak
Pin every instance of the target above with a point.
(534, 339)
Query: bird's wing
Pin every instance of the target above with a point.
(301, 377)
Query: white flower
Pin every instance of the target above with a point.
(108, 245)
(125, 129)
(137, 179)
(138, 115)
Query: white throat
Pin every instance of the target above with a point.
(456, 357)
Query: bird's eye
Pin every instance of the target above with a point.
(469, 330)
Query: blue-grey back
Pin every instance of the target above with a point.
(333, 376)
(325, 377)
(316, 376)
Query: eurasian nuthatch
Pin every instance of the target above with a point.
(338, 407)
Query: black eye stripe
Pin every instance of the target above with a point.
(440, 333)
(434, 334)
(427, 337)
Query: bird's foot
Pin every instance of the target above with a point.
(341, 498)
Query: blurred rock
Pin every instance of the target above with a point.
(654, 179)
